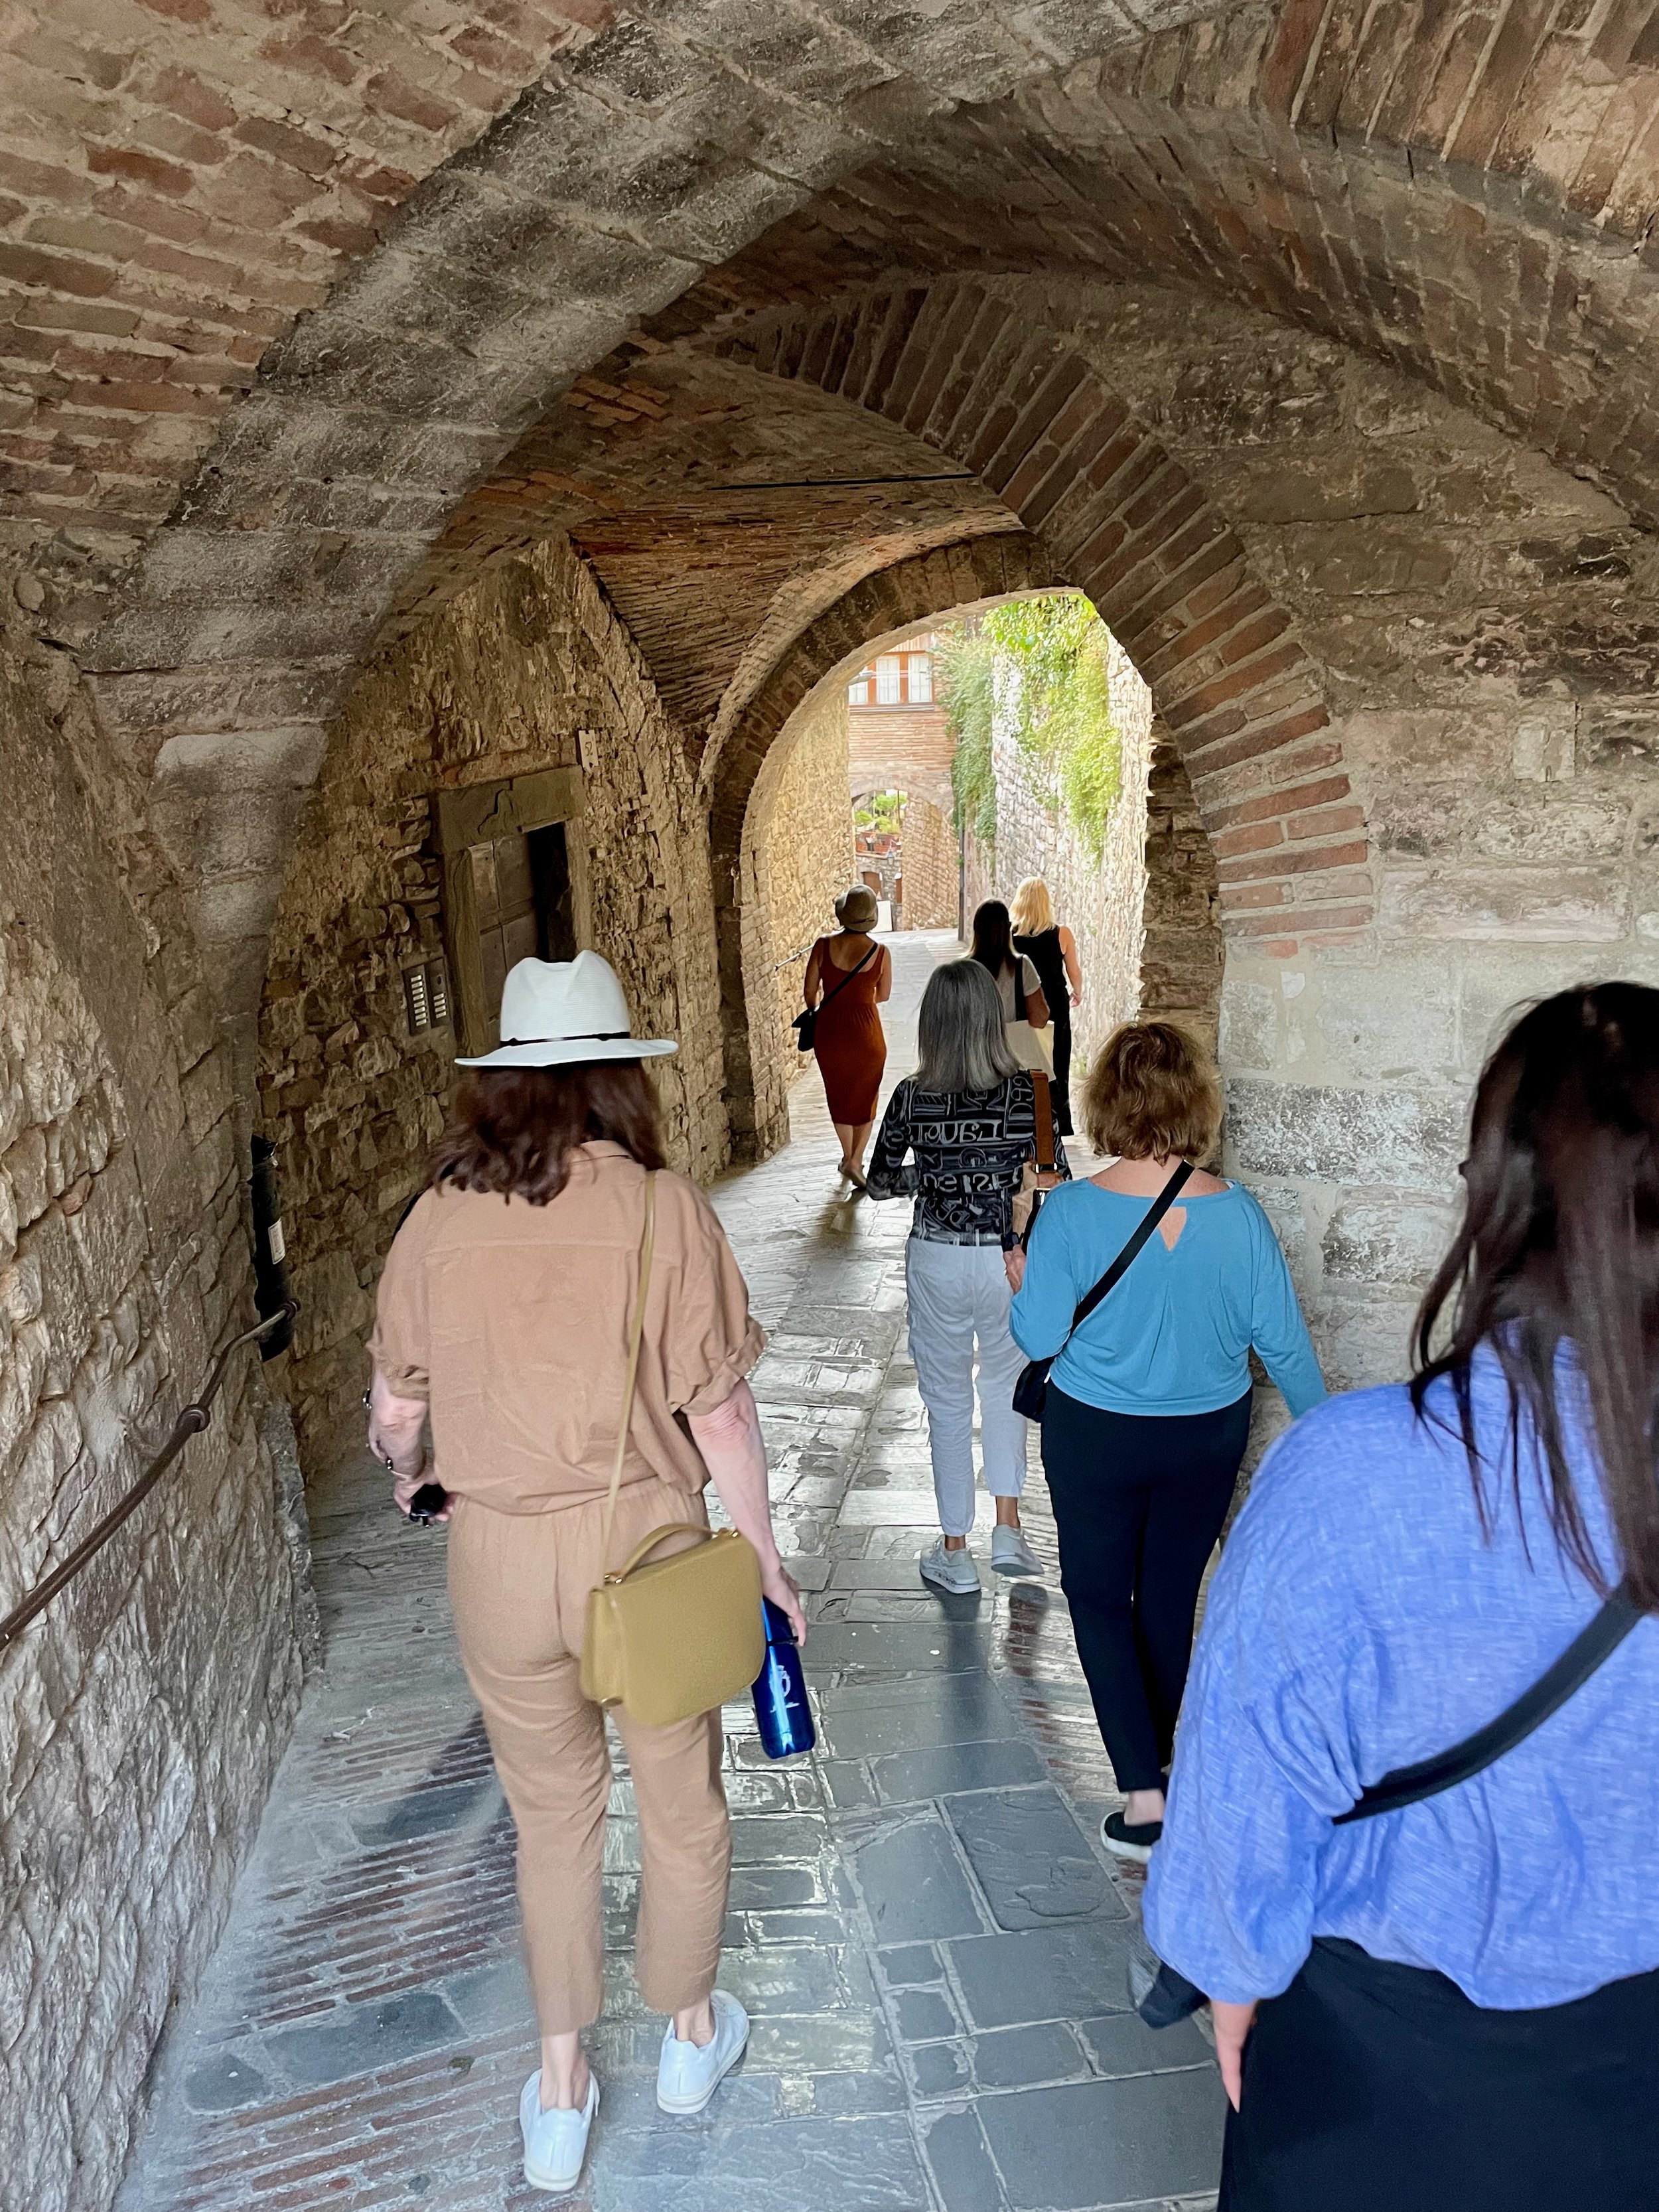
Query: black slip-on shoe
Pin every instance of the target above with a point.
(1127, 1839)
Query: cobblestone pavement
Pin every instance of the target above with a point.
(924, 1929)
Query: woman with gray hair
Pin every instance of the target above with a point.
(968, 1119)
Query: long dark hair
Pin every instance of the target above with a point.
(994, 937)
(514, 1128)
(1560, 1240)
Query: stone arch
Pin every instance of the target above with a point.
(961, 366)
(1481, 244)
(890, 602)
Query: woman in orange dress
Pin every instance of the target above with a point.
(848, 977)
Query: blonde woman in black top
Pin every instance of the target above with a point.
(1052, 950)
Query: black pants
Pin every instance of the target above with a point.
(1375, 2088)
(1138, 1503)
(1061, 1031)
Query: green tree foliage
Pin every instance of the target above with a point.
(881, 810)
(1042, 665)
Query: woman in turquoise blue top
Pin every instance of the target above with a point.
(1452, 2005)
(1148, 1408)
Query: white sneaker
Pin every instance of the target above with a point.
(687, 2075)
(950, 1570)
(554, 2142)
(1011, 1555)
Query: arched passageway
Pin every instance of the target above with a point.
(440, 458)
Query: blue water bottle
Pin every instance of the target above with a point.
(781, 1705)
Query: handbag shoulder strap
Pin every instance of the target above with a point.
(1594, 1644)
(1045, 1123)
(847, 978)
(1126, 1258)
(647, 1242)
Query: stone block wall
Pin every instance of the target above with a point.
(906, 749)
(527, 670)
(1182, 950)
(1478, 619)
(931, 865)
(141, 1716)
(1098, 899)
(803, 849)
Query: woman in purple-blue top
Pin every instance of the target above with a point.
(1454, 2006)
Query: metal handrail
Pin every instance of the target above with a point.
(192, 1419)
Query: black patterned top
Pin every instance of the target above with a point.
(969, 1147)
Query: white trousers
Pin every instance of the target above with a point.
(959, 1296)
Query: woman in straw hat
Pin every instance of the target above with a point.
(504, 1317)
(848, 977)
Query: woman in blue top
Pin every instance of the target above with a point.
(1459, 2000)
(1148, 1409)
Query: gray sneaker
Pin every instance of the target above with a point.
(950, 1570)
(1011, 1555)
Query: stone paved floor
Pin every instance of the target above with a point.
(923, 1926)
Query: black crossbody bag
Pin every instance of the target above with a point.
(1031, 1390)
(805, 1022)
(1168, 1996)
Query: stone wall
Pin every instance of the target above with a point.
(802, 850)
(1097, 898)
(528, 670)
(1479, 619)
(932, 866)
(1182, 950)
(901, 749)
(144, 1712)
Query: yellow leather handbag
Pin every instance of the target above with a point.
(673, 1638)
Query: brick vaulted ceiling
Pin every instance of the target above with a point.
(704, 499)
(1469, 193)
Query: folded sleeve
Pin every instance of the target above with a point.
(710, 1339)
(400, 1344)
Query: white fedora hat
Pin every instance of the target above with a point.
(554, 1013)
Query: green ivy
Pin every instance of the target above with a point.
(1045, 663)
(967, 665)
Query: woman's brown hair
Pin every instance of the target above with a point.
(514, 1128)
(994, 937)
(1153, 1094)
(1559, 1249)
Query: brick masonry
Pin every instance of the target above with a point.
(1367, 491)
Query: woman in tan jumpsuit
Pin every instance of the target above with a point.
(503, 1318)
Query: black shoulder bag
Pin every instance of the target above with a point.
(1167, 1997)
(1032, 1387)
(805, 1022)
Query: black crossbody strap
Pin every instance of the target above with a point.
(1126, 1258)
(846, 979)
(1589, 1649)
